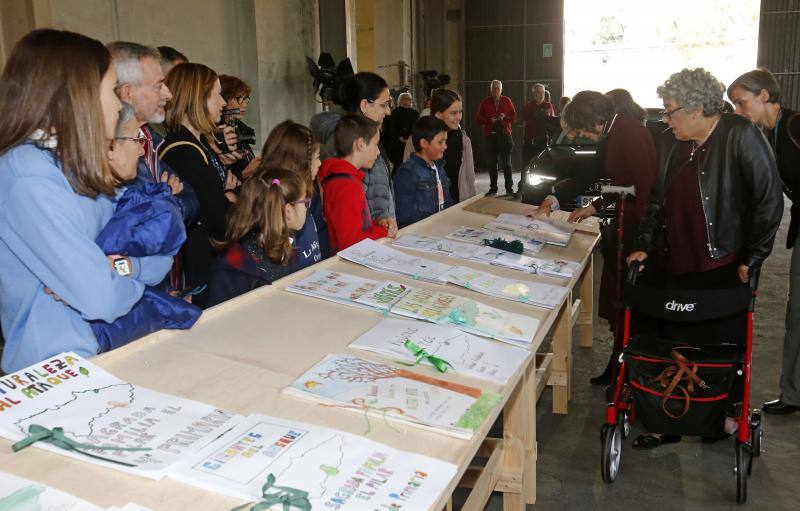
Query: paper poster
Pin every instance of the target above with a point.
(467, 354)
(467, 315)
(18, 494)
(590, 225)
(93, 407)
(439, 246)
(548, 230)
(333, 286)
(338, 470)
(129, 507)
(532, 293)
(384, 296)
(535, 265)
(477, 235)
(380, 257)
(395, 393)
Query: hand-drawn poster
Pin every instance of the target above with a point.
(466, 353)
(337, 470)
(95, 408)
(533, 293)
(334, 286)
(384, 296)
(480, 235)
(380, 257)
(18, 494)
(536, 265)
(548, 230)
(389, 392)
(439, 246)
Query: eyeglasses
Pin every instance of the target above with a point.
(386, 105)
(243, 100)
(306, 202)
(666, 115)
(140, 138)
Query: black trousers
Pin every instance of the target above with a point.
(498, 149)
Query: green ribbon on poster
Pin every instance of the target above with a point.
(56, 436)
(271, 495)
(420, 354)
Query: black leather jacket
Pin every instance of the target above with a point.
(740, 188)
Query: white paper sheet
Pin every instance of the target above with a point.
(94, 407)
(477, 235)
(338, 470)
(532, 293)
(468, 354)
(383, 258)
(535, 265)
(394, 393)
(335, 287)
(385, 295)
(19, 494)
(436, 245)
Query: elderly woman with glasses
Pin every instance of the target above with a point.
(717, 201)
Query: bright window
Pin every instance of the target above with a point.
(636, 45)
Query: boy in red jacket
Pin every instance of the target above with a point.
(344, 202)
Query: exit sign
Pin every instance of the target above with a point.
(547, 50)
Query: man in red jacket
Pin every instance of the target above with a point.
(496, 114)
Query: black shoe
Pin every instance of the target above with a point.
(778, 407)
(646, 441)
(491, 192)
(602, 379)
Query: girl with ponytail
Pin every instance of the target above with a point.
(271, 209)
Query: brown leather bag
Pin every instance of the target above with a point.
(681, 377)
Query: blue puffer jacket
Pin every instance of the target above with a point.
(415, 190)
(146, 222)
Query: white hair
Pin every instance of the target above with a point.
(127, 58)
(403, 96)
(125, 115)
(539, 86)
(496, 83)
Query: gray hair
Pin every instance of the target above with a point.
(127, 58)
(404, 95)
(125, 115)
(497, 83)
(539, 86)
(692, 88)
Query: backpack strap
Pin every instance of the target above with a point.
(336, 176)
(180, 143)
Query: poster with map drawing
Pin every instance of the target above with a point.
(338, 470)
(395, 394)
(335, 287)
(548, 230)
(468, 315)
(532, 293)
(548, 267)
(18, 494)
(383, 258)
(467, 354)
(590, 225)
(93, 407)
(436, 245)
(478, 235)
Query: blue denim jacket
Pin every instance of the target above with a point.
(415, 191)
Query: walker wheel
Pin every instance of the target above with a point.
(756, 432)
(742, 459)
(611, 451)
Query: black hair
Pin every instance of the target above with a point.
(756, 80)
(442, 99)
(625, 105)
(426, 128)
(170, 54)
(587, 109)
(364, 85)
(350, 128)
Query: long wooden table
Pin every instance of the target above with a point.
(241, 353)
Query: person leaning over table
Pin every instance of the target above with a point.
(756, 95)
(718, 197)
(57, 191)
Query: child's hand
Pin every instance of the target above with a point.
(392, 227)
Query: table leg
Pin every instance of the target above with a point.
(586, 314)
(518, 477)
(561, 376)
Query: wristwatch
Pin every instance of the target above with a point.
(122, 265)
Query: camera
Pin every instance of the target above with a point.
(327, 75)
(433, 80)
(245, 135)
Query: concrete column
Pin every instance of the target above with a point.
(337, 29)
(365, 35)
(392, 37)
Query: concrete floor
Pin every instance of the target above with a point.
(689, 475)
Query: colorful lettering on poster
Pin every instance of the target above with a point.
(33, 382)
(364, 484)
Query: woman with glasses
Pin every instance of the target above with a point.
(57, 191)
(717, 202)
(190, 149)
(365, 94)
(236, 93)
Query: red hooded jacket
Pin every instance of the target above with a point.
(345, 205)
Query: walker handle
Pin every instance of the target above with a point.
(619, 190)
(633, 272)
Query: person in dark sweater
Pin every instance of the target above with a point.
(258, 241)
(397, 128)
(421, 186)
(191, 151)
(292, 146)
(756, 95)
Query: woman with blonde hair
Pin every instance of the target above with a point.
(190, 150)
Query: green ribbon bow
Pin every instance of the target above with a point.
(420, 354)
(289, 497)
(56, 436)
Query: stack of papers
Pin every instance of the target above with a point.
(550, 231)
(397, 394)
(380, 257)
(547, 267)
(533, 293)
(439, 246)
(466, 353)
(478, 235)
